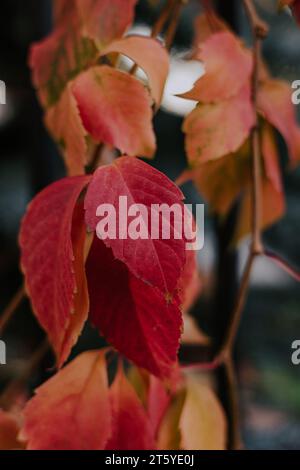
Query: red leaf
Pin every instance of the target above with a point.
(215, 130)
(131, 426)
(157, 262)
(150, 55)
(64, 123)
(206, 25)
(224, 57)
(106, 20)
(116, 109)
(47, 260)
(71, 411)
(134, 317)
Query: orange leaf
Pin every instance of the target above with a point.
(150, 55)
(105, 20)
(64, 123)
(224, 57)
(215, 130)
(71, 411)
(202, 422)
(274, 102)
(206, 25)
(115, 108)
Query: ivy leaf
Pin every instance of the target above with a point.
(133, 316)
(81, 27)
(115, 108)
(215, 130)
(105, 20)
(60, 57)
(202, 423)
(206, 25)
(224, 57)
(71, 411)
(150, 55)
(132, 429)
(49, 240)
(65, 126)
(274, 102)
(157, 262)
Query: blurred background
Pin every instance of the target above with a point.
(269, 382)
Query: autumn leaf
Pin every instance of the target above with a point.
(206, 25)
(115, 108)
(159, 262)
(71, 411)
(9, 430)
(65, 126)
(274, 103)
(105, 20)
(202, 422)
(133, 316)
(49, 240)
(218, 129)
(150, 55)
(224, 57)
(131, 429)
(81, 27)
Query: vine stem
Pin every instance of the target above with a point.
(225, 356)
(11, 309)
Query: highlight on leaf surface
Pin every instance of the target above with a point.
(71, 411)
(115, 108)
(150, 55)
(50, 237)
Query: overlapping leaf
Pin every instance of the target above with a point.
(65, 126)
(150, 55)
(134, 317)
(72, 410)
(158, 262)
(115, 108)
(132, 429)
(49, 239)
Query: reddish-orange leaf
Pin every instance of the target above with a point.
(274, 102)
(9, 430)
(132, 429)
(106, 20)
(64, 123)
(72, 410)
(47, 260)
(134, 317)
(273, 201)
(205, 26)
(224, 57)
(116, 109)
(215, 130)
(157, 261)
(150, 55)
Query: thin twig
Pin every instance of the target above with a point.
(11, 309)
(233, 402)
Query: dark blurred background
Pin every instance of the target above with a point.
(269, 383)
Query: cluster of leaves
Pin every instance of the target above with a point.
(219, 155)
(133, 291)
